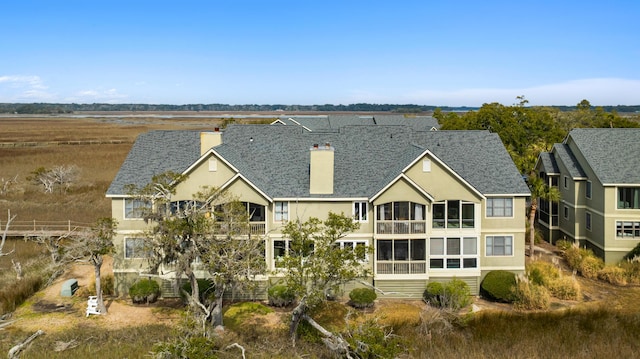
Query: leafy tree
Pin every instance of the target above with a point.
(315, 267)
(211, 230)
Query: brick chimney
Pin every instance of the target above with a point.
(321, 169)
(209, 140)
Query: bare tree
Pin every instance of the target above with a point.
(92, 245)
(62, 176)
(6, 185)
(7, 225)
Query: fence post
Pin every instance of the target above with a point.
(34, 225)
(69, 226)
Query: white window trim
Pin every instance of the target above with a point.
(213, 165)
(426, 165)
(499, 217)
(565, 212)
(460, 256)
(124, 210)
(283, 220)
(124, 244)
(623, 238)
(353, 210)
(513, 250)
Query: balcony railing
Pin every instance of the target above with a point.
(402, 267)
(253, 228)
(401, 227)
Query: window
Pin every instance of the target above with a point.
(401, 256)
(280, 250)
(499, 207)
(566, 212)
(360, 210)
(281, 211)
(499, 246)
(588, 220)
(135, 208)
(628, 229)
(360, 247)
(453, 253)
(134, 248)
(453, 214)
(629, 198)
(588, 190)
(566, 182)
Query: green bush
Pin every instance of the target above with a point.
(451, 295)
(205, 290)
(530, 296)
(632, 270)
(144, 291)
(279, 295)
(498, 286)
(362, 298)
(614, 275)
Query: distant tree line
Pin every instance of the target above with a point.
(66, 108)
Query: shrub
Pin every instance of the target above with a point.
(106, 283)
(566, 288)
(14, 295)
(574, 256)
(362, 298)
(632, 270)
(635, 252)
(563, 244)
(144, 291)
(542, 273)
(530, 296)
(371, 339)
(451, 295)
(205, 290)
(614, 275)
(280, 295)
(238, 316)
(498, 286)
(590, 266)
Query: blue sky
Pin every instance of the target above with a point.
(429, 52)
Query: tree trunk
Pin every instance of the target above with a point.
(216, 313)
(532, 227)
(97, 265)
(14, 352)
(297, 314)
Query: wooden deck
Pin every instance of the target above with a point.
(43, 228)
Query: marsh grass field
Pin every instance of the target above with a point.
(606, 324)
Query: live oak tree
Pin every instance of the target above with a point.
(210, 232)
(315, 267)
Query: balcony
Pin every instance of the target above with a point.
(401, 227)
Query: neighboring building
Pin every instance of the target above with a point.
(597, 171)
(433, 205)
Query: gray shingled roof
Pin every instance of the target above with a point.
(612, 153)
(276, 158)
(337, 121)
(549, 162)
(566, 156)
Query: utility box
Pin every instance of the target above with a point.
(69, 287)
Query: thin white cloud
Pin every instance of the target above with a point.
(91, 96)
(19, 88)
(598, 91)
